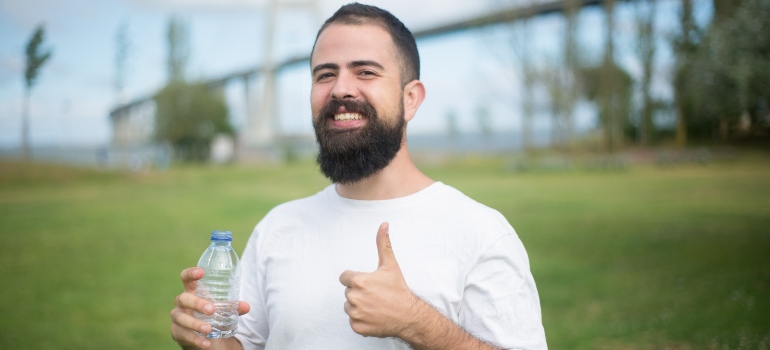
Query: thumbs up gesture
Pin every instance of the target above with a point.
(379, 303)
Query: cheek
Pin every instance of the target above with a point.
(317, 101)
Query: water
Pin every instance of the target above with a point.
(220, 285)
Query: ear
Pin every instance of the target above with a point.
(414, 94)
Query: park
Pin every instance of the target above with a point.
(645, 257)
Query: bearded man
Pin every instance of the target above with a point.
(441, 272)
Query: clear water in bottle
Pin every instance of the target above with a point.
(220, 285)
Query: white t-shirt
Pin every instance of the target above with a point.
(460, 256)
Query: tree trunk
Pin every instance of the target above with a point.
(608, 82)
(25, 152)
(681, 95)
(646, 51)
(681, 123)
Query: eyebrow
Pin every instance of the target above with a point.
(350, 65)
(325, 66)
(365, 63)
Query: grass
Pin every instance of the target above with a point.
(647, 258)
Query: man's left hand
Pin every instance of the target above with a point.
(379, 303)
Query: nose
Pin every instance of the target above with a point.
(344, 87)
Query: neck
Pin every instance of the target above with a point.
(399, 179)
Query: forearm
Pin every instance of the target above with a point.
(431, 330)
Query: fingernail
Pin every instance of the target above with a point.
(208, 308)
(206, 343)
(204, 328)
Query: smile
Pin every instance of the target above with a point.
(348, 116)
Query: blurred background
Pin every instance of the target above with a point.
(114, 77)
(626, 141)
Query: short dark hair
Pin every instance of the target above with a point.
(406, 47)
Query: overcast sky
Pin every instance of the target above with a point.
(75, 90)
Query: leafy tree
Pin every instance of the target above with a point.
(730, 76)
(35, 60)
(611, 88)
(187, 115)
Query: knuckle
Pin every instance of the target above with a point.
(200, 304)
(358, 281)
(358, 327)
(352, 298)
(177, 333)
(355, 314)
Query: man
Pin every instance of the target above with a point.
(456, 275)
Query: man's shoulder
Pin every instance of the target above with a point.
(459, 210)
(299, 205)
(456, 200)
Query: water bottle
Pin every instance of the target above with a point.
(220, 285)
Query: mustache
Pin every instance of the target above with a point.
(351, 106)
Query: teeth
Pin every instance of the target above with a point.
(348, 116)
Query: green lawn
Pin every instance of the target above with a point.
(646, 258)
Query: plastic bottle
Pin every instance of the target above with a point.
(220, 285)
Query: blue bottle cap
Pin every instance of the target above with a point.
(224, 236)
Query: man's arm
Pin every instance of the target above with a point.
(184, 324)
(380, 304)
(433, 330)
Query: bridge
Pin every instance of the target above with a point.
(132, 121)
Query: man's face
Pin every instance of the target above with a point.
(357, 101)
(355, 62)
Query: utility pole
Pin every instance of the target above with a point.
(261, 127)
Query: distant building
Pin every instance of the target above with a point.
(133, 123)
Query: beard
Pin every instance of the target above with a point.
(348, 156)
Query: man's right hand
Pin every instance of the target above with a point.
(183, 323)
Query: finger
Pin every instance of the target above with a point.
(243, 308)
(192, 302)
(188, 321)
(347, 278)
(384, 248)
(185, 336)
(190, 276)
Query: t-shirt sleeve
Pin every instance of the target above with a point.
(500, 302)
(253, 327)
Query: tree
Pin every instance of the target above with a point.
(35, 60)
(122, 53)
(685, 46)
(484, 121)
(609, 86)
(645, 47)
(188, 115)
(517, 52)
(730, 79)
(178, 49)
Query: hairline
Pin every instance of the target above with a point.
(367, 21)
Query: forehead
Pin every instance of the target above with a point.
(344, 43)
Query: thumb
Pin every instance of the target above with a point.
(384, 248)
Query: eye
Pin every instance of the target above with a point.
(367, 73)
(324, 76)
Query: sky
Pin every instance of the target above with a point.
(75, 91)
